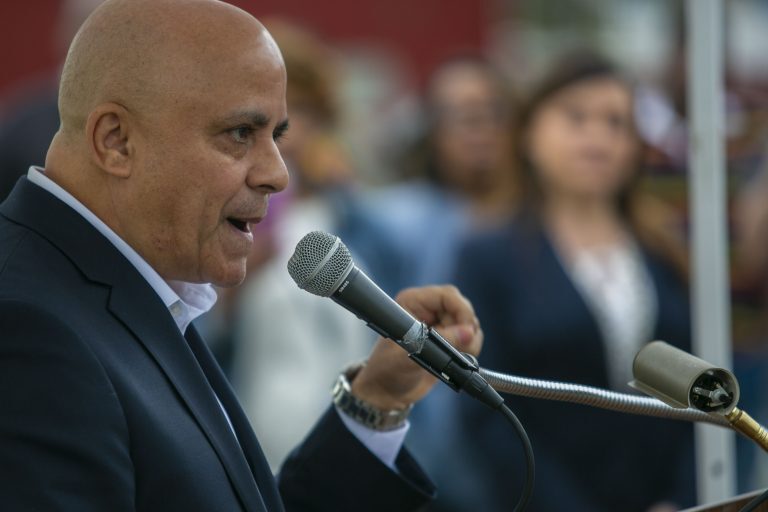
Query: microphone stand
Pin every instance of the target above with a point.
(736, 419)
(747, 426)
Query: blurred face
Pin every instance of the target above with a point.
(582, 140)
(471, 136)
(206, 166)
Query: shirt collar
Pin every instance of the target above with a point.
(185, 301)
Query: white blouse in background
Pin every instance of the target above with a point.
(618, 289)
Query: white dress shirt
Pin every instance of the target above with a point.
(187, 301)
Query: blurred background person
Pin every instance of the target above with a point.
(283, 371)
(28, 128)
(457, 174)
(587, 272)
(458, 179)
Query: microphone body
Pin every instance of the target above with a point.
(322, 265)
(358, 294)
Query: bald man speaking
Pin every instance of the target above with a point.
(167, 154)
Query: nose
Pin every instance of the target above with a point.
(268, 170)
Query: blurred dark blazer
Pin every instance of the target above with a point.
(537, 324)
(27, 132)
(107, 407)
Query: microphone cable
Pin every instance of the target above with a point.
(530, 465)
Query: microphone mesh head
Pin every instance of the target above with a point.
(320, 263)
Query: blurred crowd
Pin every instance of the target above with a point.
(556, 203)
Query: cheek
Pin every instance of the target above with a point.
(190, 210)
(205, 181)
(550, 147)
(627, 151)
(623, 161)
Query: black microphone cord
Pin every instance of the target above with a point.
(530, 469)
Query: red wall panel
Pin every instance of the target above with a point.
(27, 45)
(421, 32)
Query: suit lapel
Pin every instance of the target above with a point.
(142, 312)
(250, 446)
(155, 329)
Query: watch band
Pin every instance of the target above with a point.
(360, 410)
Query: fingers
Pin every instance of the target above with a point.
(391, 380)
(438, 305)
(446, 309)
(465, 337)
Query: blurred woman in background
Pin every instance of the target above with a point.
(589, 270)
(283, 371)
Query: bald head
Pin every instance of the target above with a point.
(141, 53)
(170, 115)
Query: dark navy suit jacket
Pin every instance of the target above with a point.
(105, 406)
(537, 324)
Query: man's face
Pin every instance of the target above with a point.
(206, 166)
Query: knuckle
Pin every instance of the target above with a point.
(404, 294)
(451, 288)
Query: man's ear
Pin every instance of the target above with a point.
(108, 131)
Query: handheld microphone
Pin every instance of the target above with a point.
(322, 265)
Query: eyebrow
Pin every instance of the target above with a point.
(253, 117)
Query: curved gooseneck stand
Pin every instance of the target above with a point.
(684, 386)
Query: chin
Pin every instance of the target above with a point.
(228, 275)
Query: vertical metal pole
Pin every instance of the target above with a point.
(715, 454)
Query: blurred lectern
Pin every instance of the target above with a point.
(731, 505)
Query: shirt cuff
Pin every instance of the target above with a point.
(385, 445)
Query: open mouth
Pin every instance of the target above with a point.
(241, 225)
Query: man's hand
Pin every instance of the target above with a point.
(391, 380)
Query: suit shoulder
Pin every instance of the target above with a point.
(40, 345)
(59, 401)
(32, 269)
(32, 315)
(29, 322)
(34, 336)
(11, 237)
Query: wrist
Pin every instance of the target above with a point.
(367, 407)
(371, 393)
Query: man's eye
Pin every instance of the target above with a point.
(241, 134)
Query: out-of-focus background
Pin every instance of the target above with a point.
(534, 152)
